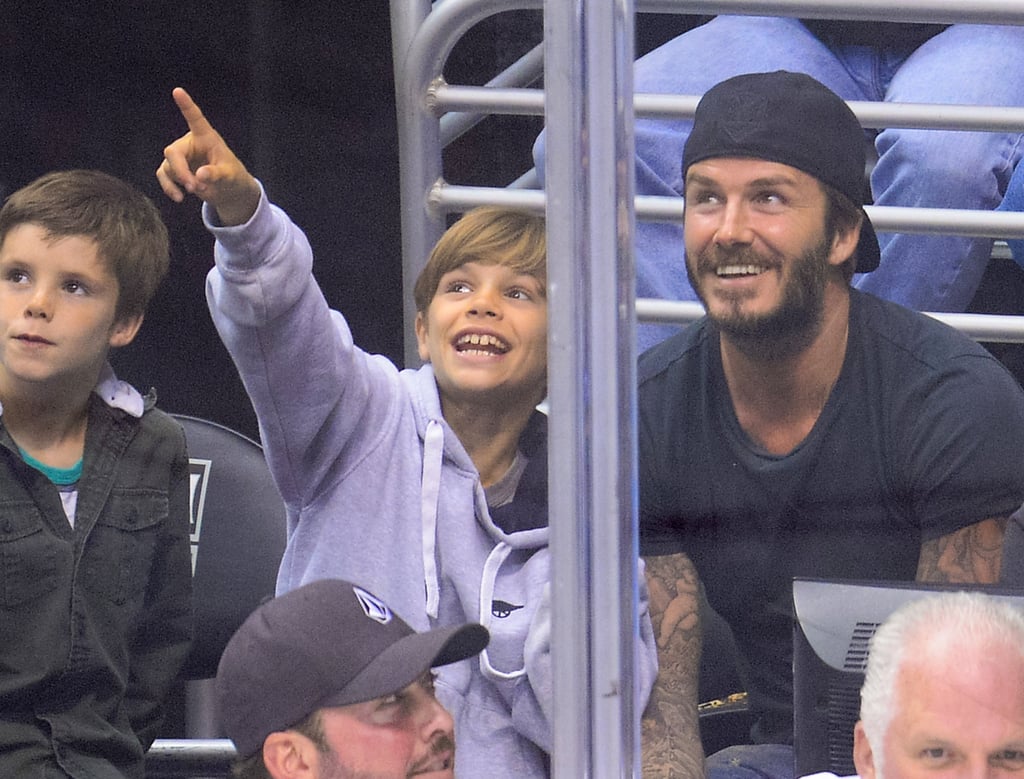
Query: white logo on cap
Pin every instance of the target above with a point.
(373, 606)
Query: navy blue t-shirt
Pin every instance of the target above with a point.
(921, 435)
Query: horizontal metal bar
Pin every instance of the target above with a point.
(944, 11)
(991, 328)
(449, 198)
(870, 113)
(173, 758)
(487, 100)
(886, 219)
(947, 221)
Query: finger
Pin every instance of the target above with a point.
(177, 164)
(197, 123)
(172, 190)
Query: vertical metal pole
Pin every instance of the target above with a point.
(588, 54)
(419, 145)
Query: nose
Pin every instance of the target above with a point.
(733, 226)
(485, 302)
(39, 305)
(434, 718)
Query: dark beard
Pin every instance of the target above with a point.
(791, 327)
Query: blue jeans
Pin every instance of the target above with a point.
(967, 64)
(1014, 201)
(751, 761)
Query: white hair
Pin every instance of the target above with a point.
(970, 618)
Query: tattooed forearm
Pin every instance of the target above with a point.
(671, 738)
(972, 554)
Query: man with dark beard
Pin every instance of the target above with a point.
(326, 682)
(802, 428)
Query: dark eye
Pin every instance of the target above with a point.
(457, 287)
(936, 755)
(770, 198)
(701, 197)
(1010, 759)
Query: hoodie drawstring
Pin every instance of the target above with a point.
(494, 561)
(430, 490)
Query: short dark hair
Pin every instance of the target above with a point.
(253, 767)
(492, 235)
(841, 215)
(791, 119)
(131, 237)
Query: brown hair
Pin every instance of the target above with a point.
(130, 235)
(841, 215)
(491, 235)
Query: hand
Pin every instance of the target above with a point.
(202, 164)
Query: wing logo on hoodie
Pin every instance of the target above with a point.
(503, 609)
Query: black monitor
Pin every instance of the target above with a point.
(834, 621)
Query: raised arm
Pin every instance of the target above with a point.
(972, 554)
(201, 163)
(671, 735)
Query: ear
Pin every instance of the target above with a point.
(844, 244)
(421, 336)
(288, 755)
(124, 330)
(863, 756)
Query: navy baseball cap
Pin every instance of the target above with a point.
(792, 119)
(327, 643)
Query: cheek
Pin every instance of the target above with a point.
(697, 231)
(539, 328)
(389, 753)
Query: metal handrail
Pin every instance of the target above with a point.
(427, 102)
(177, 758)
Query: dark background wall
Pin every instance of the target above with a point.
(302, 90)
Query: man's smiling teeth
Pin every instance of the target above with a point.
(488, 344)
(739, 270)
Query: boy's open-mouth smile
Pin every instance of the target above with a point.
(480, 343)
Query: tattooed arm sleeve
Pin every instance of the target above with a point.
(971, 554)
(671, 737)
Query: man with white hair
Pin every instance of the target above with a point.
(943, 695)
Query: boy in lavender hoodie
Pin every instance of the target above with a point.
(429, 486)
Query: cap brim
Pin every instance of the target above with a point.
(408, 659)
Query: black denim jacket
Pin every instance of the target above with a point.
(95, 619)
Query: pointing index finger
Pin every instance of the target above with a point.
(197, 123)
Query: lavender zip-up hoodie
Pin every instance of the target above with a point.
(380, 491)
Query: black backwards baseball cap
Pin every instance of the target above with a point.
(792, 119)
(327, 643)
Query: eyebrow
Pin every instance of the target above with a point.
(1015, 746)
(765, 181)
